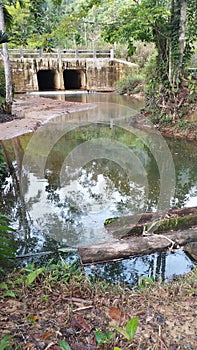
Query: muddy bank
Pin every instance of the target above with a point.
(31, 112)
(184, 129)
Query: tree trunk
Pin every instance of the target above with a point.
(7, 69)
(178, 24)
(135, 246)
(182, 36)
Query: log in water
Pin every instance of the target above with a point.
(158, 222)
(136, 246)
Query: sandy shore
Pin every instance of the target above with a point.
(33, 111)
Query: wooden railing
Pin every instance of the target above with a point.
(60, 54)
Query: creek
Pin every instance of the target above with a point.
(81, 168)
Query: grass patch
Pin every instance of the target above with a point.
(59, 305)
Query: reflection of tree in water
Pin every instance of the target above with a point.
(17, 211)
(99, 182)
(132, 197)
(65, 230)
(129, 186)
(184, 155)
(129, 270)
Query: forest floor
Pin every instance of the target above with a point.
(58, 308)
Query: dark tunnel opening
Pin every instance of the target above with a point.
(46, 80)
(72, 79)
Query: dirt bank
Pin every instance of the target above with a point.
(30, 112)
(184, 129)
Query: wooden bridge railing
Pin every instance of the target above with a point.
(58, 54)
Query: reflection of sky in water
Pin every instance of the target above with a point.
(129, 270)
(74, 214)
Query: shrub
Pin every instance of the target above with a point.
(131, 84)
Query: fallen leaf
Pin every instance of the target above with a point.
(80, 323)
(117, 314)
(46, 335)
(29, 346)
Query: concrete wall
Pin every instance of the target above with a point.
(98, 74)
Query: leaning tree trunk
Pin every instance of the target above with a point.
(7, 69)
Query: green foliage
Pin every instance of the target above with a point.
(6, 342)
(33, 275)
(128, 332)
(3, 37)
(7, 244)
(171, 26)
(144, 281)
(130, 329)
(102, 338)
(64, 345)
(166, 120)
(59, 272)
(3, 165)
(110, 220)
(132, 83)
(2, 87)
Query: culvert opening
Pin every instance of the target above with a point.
(72, 79)
(46, 80)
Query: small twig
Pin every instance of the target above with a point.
(158, 337)
(49, 345)
(171, 241)
(83, 308)
(79, 300)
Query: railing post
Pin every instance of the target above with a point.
(21, 53)
(40, 53)
(59, 54)
(111, 54)
(94, 54)
(76, 54)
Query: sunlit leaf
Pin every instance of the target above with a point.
(3, 285)
(33, 275)
(64, 345)
(9, 293)
(131, 327)
(102, 338)
(145, 281)
(121, 331)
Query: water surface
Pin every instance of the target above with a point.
(81, 168)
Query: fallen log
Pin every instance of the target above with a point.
(191, 250)
(135, 246)
(158, 222)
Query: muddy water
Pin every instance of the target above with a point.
(81, 168)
